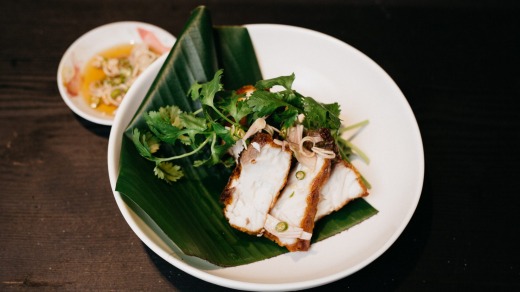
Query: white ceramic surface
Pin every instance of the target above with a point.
(93, 42)
(328, 70)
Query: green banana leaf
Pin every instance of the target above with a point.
(188, 213)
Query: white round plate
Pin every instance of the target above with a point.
(328, 70)
(93, 42)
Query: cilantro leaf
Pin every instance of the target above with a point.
(287, 118)
(264, 103)
(168, 171)
(293, 98)
(242, 110)
(223, 133)
(192, 125)
(318, 115)
(141, 144)
(152, 142)
(206, 92)
(166, 124)
(235, 106)
(333, 108)
(284, 81)
(171, 114)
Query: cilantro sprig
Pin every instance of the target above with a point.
(205, 128)
(287, 104)
(222, 120)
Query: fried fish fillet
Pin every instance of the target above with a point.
(343, 185)
(291, 221)
(256, 182)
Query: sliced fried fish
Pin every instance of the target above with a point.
(343, 185)
(291, 221)
(260, 175)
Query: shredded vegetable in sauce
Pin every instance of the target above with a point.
(109, 74)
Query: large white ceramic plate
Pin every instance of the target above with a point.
(93, 42)
(328, 70)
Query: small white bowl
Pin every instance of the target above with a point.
(91, 43)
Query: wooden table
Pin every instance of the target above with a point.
(458, 65)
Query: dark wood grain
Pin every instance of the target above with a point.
(457, 64)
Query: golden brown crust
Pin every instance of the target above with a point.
(261, 139)
(226, 195)
(245, 89)
(307, 223)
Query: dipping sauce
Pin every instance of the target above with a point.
(108, 75)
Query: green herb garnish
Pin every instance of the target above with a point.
(223, 119)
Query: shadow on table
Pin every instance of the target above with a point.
(384, 274)
(178, 278)
(100, 130)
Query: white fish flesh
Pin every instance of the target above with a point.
(344, 185)
(256, 182)
(291, 220)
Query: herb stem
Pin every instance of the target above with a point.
(354, 126)
(223, 116)
(358, 151)
(185, 154)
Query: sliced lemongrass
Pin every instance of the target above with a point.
(327, 154)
